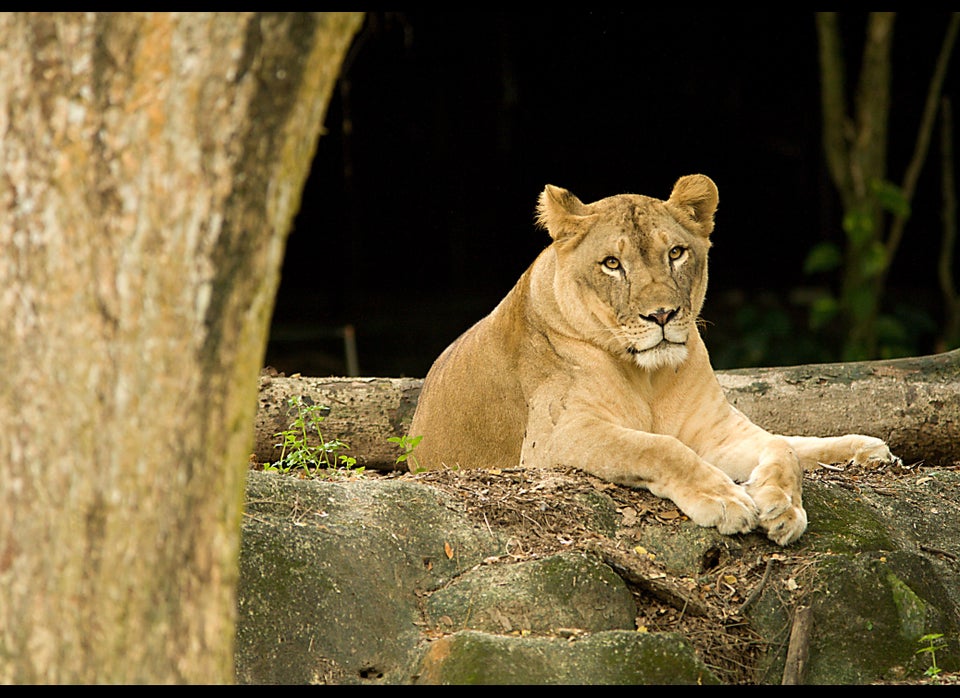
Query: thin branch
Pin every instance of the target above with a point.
(869, 156)
(833, 110)
(923, 137)
(649, 577)
(951, 331)
(755, 594)
(798, 648)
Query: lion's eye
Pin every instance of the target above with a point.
(676, 253)
(611, 263)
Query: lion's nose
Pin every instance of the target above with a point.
(661, 316)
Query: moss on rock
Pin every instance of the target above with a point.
(611, 657)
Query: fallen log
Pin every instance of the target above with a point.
(363, 413)
(912, 403)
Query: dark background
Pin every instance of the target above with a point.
(418, 214)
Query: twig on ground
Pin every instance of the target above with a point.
(798, 648)
(642, 572)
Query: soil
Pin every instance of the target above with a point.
(541, 512)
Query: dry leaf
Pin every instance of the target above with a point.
(448, 549)
(640, 550)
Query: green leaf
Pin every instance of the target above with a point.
(873, 260)
(860, 302)
(891, 197)
(822, 311)
(858, 225)
(825, 256)
(890, 330)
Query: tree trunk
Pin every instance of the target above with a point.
(912, 403)
(875, 211)
(856, 151)
(151, 167)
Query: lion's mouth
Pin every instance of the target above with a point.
(662, 344)
(664, 353)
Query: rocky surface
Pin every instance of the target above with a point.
(557, 577)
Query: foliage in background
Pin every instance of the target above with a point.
(875, 209)
(770, 329)
(950, 336)
(845, 314)
(764, 329)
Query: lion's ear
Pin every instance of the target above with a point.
(559, 212)
(695, 199)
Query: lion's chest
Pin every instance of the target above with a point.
(631, 404)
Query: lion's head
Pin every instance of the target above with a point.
(631, 271)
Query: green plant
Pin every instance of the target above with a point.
(934, 642)
(866, 332)
(407, 443)
(856, 136)
(299, 448)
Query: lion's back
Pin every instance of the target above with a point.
(471, 412)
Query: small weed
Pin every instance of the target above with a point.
(297, 450)
(407, 443)
(934, 642)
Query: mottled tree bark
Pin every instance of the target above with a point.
(150, 168)
(914, 404)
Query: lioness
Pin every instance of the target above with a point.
(594, 360)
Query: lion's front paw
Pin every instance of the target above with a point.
(857, 449)
(729, 509)
(872, 452)
(781, 515)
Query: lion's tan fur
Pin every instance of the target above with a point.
(594, 360)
